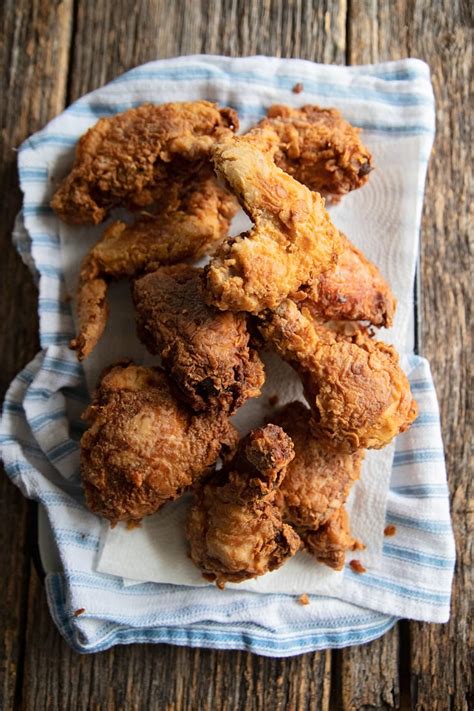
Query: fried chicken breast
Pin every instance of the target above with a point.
(292, 242)
(319, 148)
(127, 159)
(235, 530)
(144, 447)
(205, 351)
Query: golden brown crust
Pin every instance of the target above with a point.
(319, 148)
(331, 541)
(235, 529)
(320, 477)
(353, 291)
(205, 351)
(192, 219)
(359, 395)
(143, 447)
(121, 160)
(292, 242)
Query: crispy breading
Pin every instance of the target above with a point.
(235, 530)
(319, 149)
(359, 395)
(143, 446)
(127, 159)
(292, 242)
(320, 477)
(195, 217)
(354, 290)
(205, 351)
(331, 541)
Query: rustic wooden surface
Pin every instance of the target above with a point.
(51, 53)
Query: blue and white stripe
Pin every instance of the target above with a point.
(41, 414)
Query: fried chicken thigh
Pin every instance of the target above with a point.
(205, 351)
(319, 148)
(235, 529)
(353, 291)
(320, 477)
(292, 242)
(126, 159)
(359, 395)
(194, 218)
(316, 486)
(143, 447)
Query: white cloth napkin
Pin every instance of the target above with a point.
(102, 571)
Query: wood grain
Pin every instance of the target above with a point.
(441, 34)
(34, 58)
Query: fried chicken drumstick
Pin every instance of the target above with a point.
(194, 218)
(292, 242)
(319, 148)
(143, 447)
(359, 395)
(128, 159)
(205, 351)
(316, 486)
(235, 530)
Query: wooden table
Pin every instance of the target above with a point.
(53, 52)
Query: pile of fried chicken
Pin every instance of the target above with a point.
(292, 283)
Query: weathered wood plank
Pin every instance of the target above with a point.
(33, 73)
(440, 34)
(162, 677)
(110, 37)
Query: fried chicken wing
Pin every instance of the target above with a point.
(235, 530)
(331, 541)
(127, 159)
(359, 395)
(205, 351)
(320, 477)
(292, 242)
(319, 148)
(353, 291)
(195, 217)
(143, 447)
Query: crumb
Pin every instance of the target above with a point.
(304, 599)
(67, 298)
(390, 530)
(131, 525)
(358, 546)
(272, 401)
(357, 567)
(298, 88)
(78, 612)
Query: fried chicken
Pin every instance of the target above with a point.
(292, 242)
(319, 148)
(128, 159)
(359, 395)
(235, 529)
(331, 541)
(316, 486)
(205, 351)
(353, 291)
(320, 477)
(194, 217)
(143, 447)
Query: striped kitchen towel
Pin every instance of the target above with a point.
(41, 425)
